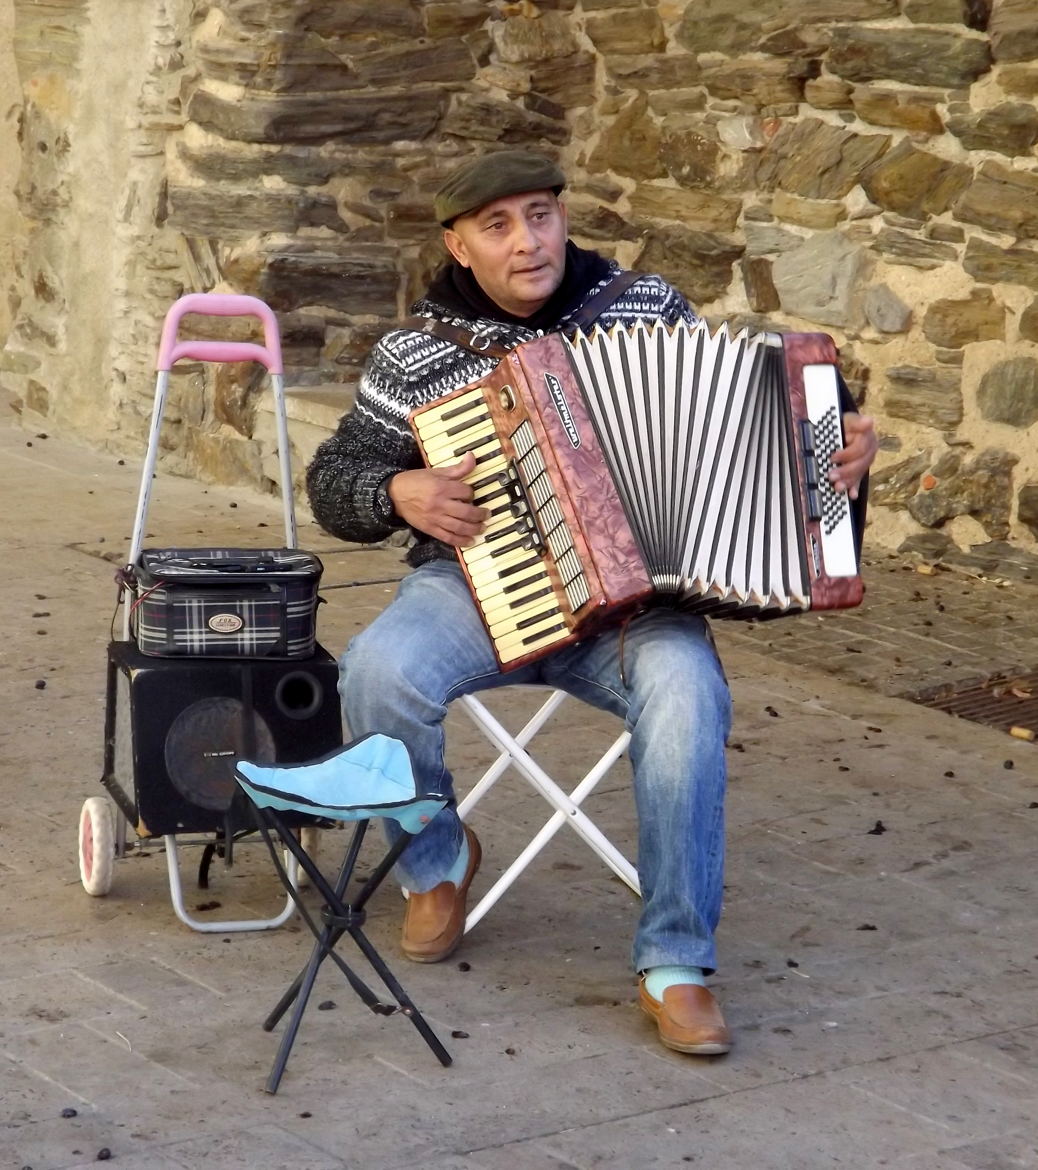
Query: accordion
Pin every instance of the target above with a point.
(649, 465)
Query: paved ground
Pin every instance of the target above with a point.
(880, 950)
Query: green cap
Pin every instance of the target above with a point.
(491, 176)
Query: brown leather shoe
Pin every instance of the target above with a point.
(689, 1019)
(434, 922)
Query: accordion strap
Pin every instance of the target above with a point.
(590, 310)
(477, 342)
(584, 317)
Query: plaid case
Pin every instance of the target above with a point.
(226, 602)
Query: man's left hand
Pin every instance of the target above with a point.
(852, 461)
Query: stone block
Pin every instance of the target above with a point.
(274, 64)
(894, 485)
(820, 214)
(733, 26)
(330, 18)
(955, 323)
(702, 209)
(914, 182)
(653, 71)
(925, 395)
(886, 311)
(629, 30)
(937, 11)
(359, 118)
(1002, 200)
(522, 39)
(761, 294)
(899, 247)
(358, 278)
(904, 109)
(1028, 323)
(698, 263)
(485, 119)
(821, 280)
(754, 81)
(1027, 506)
(568, 80)
(741, 132)
(440, 60)
(828, 93)
(1010, 128)
(631, 146)
(982, 489)
(231, 213)
(914, 56)
(816, 160)
(690, 152)
(445, 21)
(763, 239)
(1020, 81)
(991, 264)
(1014, 31)
(303, 168)
(595, 222)
(1008, 393)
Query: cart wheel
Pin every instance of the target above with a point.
(96, 846)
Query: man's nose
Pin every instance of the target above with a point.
(524, 239)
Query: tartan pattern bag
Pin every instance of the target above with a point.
(226, 602)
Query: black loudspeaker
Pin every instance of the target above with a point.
(174, 728)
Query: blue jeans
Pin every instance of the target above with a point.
(429, 647)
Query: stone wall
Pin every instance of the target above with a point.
(867, 167)
(11, 228)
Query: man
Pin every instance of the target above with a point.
(513, 275)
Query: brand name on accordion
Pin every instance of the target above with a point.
(562, 406)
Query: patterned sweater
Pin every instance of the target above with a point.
(347, 476)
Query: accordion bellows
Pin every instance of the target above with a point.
(659, 463)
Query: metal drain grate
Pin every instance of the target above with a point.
(1004, 701)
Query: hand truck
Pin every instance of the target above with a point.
(220, 694)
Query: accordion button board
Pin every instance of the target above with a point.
(649, 465)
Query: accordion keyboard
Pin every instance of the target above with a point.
(510, 564)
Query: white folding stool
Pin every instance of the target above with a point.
(512, 749)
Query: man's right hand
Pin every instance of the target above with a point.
(436, 501)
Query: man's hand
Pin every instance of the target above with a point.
(852, 461)
(438, 503)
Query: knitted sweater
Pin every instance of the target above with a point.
(347, 476)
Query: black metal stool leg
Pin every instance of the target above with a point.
(306, 985)
(407, 1005)
(339, 916)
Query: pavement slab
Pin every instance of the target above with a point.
(879, 944)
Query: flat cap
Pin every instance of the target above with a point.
(492, 176)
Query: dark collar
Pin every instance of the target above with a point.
(456, 289)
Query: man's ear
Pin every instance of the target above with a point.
(456, 246)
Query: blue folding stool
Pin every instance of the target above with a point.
(371, 777)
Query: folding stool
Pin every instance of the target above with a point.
(512, 749)
(369, 778)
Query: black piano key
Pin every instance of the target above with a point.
(526, 598)
(463, 407)
(526, 623)
(515, 586)
(521, 566)
(543, 634)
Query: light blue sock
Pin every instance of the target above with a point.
(457, 870)
(658, 979)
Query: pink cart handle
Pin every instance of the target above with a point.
(220, 305)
